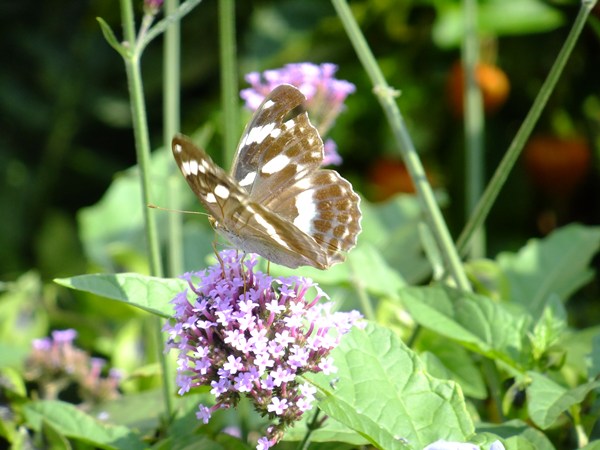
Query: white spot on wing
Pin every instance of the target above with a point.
(307, 210)
(289, 124)
(248, 179)
(221, 191)
(185, 167)
(191, 167)
(178, 148)
(275, 133)
(276, 164)
(210, 198)
(258, 134)
(268, 104)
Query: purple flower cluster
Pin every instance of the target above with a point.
(55, 364)
(247, 333)
(325, 95)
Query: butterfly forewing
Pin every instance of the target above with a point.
(278, 147)
(277, 202)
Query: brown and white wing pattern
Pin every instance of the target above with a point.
(278, 202)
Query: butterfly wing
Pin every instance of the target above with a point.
(278, 147)
(278, 163)
(246, 224)
(211, 184)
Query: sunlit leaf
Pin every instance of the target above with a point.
(385, 394)
(148, 293)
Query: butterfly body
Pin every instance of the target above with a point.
(277, 202)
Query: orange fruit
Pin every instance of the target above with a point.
(557, 165)
(492, 81)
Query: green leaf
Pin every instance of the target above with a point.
(69, 421)
(330, 431)
(53, 439)
(116, 223)
(557, 265)
(151, 294)
(547, 400)
(517, 435)
(447, 360)
(12, 384)
(385, 394)
(112, 40)
(495, 17)
(139, 411)
(479, 323)
(392, 228)
(594, 368)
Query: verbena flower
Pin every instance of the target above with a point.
(55, 365)
(247, 333)
(325, 95)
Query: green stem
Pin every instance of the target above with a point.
(142, 146)
(473, 121)
(229, 79)
(172, 124)
(386, 97)
(493, 189)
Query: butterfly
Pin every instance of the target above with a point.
(277, 201)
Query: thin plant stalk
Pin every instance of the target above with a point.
(473, 122)
(504, 168)
(142, 145)
(171, 125)
(386, 96)
(229, 78)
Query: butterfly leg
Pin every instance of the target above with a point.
(214, 246)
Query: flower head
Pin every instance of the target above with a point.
(247, 333)
(325, 95)
(55, 364)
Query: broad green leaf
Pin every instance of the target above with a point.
(148, 293)
(52, 438)
(392, 228)
(479, 323)
(364, 264)
(557, 264)
(139, 411)
(517, 435)
(579, 345)
(495, 17)
(594, 445)
(547, 400)
(330, 431)
(384, 394)
(447, 360)
(69, 421)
